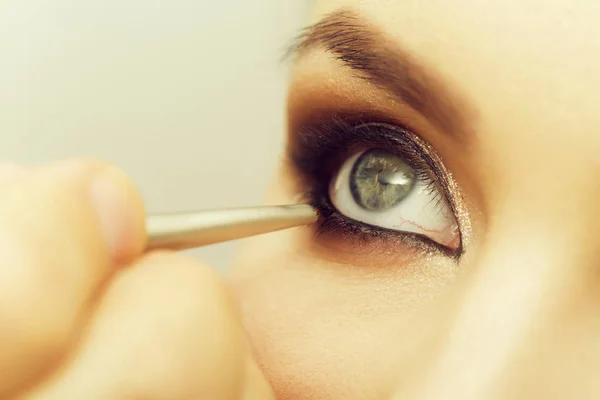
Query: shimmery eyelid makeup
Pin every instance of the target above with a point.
(318, 148)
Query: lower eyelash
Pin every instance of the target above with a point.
(331, 222)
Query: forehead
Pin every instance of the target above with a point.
(527, 66)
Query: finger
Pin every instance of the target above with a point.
(62, 228)
(167, 328)
(256, 386)
(10, 172)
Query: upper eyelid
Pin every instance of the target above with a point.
(311, 142)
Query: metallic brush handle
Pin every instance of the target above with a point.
(180, 231)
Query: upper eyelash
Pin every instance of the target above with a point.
(319, 150)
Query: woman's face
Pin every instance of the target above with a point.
(462, 134)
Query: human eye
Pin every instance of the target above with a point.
(378, 188)
(377, 181)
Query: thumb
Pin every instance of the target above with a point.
(62, 230)
(256, 386)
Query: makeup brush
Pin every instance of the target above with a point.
(178, 231)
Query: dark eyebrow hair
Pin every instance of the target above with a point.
(379, 60)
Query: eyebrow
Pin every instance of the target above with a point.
(381, 61)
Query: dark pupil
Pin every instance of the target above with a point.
(379, 180)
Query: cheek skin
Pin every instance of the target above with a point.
(315, 323)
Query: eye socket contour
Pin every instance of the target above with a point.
(378, 188)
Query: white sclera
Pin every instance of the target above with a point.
(424, 211)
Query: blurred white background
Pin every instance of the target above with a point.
(187, 96)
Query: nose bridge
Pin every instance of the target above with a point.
(537, 265)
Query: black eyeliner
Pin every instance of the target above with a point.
(318, 149)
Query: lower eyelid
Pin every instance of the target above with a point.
(339, 234)
(339, 231)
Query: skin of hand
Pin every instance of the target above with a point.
(85, 314)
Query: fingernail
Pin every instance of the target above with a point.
(110, 198)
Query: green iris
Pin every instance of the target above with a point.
(380, 180)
